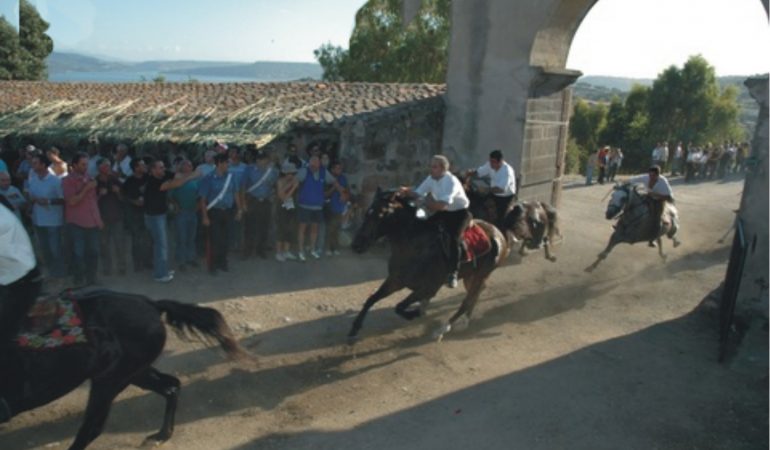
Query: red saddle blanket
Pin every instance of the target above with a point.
(477, 242)
(51, 324)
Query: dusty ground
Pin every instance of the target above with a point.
(555, 358)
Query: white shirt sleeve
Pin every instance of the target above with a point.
(662, 187)
(16, 254)
(424, 188)
(485, 170)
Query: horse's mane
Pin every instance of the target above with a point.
(411, 224)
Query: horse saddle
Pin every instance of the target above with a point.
(53, 321)
(476, 243)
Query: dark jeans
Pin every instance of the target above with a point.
(219, 228)
(141, 250)
(502, 204)
(50, 242)
(85, 253)
(186, 225)
(333, 226)
(158, 226)
(15, 301)
(453, 224)
(112, 236)
(256, 226)
(602, 172)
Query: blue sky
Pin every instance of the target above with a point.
(636, 38)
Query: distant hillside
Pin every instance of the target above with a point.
(64, 66)
(73, 62)
(276, 70)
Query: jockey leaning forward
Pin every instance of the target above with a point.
(20, 284)
(502, 181)
(658, 192)
(444, 196)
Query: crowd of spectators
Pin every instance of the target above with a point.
(105, 213)
(694, 162)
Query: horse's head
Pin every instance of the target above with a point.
(522, 217)
(378, 219)
(618, 200)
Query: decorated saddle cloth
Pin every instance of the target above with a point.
(53, 322)
(477, 242)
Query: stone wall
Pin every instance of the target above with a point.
(753, 290)
(392, 150)
(545, 140)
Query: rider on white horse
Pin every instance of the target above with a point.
(658, 192)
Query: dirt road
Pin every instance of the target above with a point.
(555, 358)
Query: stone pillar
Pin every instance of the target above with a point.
(504, 82)
(753, 290)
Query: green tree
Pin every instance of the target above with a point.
(586, 125)
(35, 44)
(615, 130)
(9, 50)
(382, 49)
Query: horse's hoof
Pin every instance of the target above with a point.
(441, 331)
(551, 258)
(155, 440)
(461, 324)
(352, 340)
(677, 243)
(589, 269)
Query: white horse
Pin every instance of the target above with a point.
(636, 222)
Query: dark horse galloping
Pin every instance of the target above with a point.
(125, 335)
(417, 260)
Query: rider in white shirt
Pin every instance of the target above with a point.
(658, 192)
(20, 284)
(444, 195)
(502, 182)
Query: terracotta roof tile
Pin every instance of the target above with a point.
(242, 109)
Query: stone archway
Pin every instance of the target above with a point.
(506, 83)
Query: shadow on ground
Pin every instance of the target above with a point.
(658, 388)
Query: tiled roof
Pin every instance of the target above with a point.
(245, 112)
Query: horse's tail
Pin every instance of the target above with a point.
(202, 323)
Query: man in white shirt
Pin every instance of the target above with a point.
(122, 165)
(502, 182)
(444, 196)
(658, 192)
(20, 284)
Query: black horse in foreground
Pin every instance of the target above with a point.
(418, 260)
(125, 334)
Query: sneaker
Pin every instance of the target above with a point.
(165, 279)
(315, 254)
(329, 253)
(336, 253)
(289, 256)
(451, 281)
(280, 257)
(301, 256)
